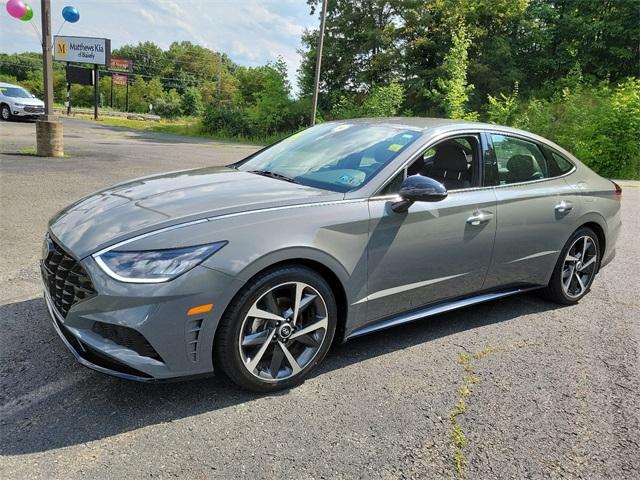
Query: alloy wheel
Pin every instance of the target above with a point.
(283, 331)
(579, 266)
(6, 113)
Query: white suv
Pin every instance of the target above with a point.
(15, 101)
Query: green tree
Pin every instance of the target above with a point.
(452, 91)
(192, 102)
(148, 59)
(503, 109)
(360, 48)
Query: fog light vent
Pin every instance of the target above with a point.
(127, 337)
(192, 336)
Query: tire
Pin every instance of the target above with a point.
(5, 112)
(572, 278)
(242, 337)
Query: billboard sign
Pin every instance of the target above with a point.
(96, 51)
(79, 75)
(121, 65)
(120, 80)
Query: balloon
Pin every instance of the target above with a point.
(16, 8)
(71, 14)
(29, 15)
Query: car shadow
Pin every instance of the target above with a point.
(48, 401)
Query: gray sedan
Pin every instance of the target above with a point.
(346, 228)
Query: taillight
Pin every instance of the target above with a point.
(618, 190)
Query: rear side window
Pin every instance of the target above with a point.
(518, 160)
(558, 165)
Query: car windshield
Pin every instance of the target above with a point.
(333, 156)
(15, 92)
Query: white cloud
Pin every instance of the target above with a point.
(251, 32)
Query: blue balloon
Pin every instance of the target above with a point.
(71, 14)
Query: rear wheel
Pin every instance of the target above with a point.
(277, 329)
(576, 268)
(5, 112)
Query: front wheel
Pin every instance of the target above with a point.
(5, 112)
(277, 329)
(576, 268)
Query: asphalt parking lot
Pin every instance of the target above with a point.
(555, 390)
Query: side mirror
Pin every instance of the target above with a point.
(417, 188)
(33, 96)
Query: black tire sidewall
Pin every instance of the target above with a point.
(231, 323)
(2, 109)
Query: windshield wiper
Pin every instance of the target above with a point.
(267, 173)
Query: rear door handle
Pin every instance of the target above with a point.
(479, 218)
(564, 206)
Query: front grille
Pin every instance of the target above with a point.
(34, 109)
(127, 337)
(64, 278)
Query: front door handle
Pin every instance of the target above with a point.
(564, 207)
(479, 218)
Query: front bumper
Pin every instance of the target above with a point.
(27, 112)
(155, 313)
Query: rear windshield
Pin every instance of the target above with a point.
(333, 156)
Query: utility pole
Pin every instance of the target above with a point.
(49, 135)
(47, 66)
(323, 16)
(96, 91)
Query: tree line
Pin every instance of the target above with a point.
(567, 69)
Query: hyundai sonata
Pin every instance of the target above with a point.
(343, 229)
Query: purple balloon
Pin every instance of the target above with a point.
(16, 8)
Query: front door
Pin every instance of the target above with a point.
(436, 250)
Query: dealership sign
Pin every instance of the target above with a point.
(120, 80)
(82, 49)
(121, 65)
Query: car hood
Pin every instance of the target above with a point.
(150, 203)
(29, 101)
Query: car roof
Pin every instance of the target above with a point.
(437, 126)
(430, 123)
(4, 84)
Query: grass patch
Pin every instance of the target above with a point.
(32, 151)
(459, 440)
(184, 127)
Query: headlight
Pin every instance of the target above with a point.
(16, 104)
(154, 266)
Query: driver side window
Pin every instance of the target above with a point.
(452, 162)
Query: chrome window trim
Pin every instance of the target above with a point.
(457, 133)
(540, 145)
(537, 181)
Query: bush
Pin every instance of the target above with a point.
(191, 103)
(502, 110)
(223, 120)
(599, 125)
(383, 101)
(169, 105)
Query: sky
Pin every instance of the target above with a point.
(251, 32)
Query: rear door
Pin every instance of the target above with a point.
(536, 212)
